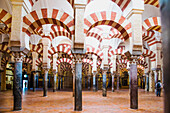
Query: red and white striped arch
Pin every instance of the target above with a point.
(88, 61)
(115, 52)
(149, 37)
(39, 31)
(37, 48)
(4, 48)
(121, 3)
(140, 67)
(118, 36)
(27, 60)
(6, 18)
(152, 2)
(122, 61)
(96, 33)
(66, 60)
(39, 61)
(60, 48)
(36, 19)
(59, 31)
(150, 54)
(32, 2)
(143, 63)
(109, 18)
(96, 51)
(153, 23)
(113, 32)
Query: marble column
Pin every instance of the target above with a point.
(144, 80)
(45, 82)
(165, 18)
(134, 86)
(34, 81)
(104, 83)
(54, 81)
(89, 78)
(78, 80)
(94, 81)
(118, 77)
(61, 82)
(17, 88)
(155, 77)
(147, 81)
(113, 79)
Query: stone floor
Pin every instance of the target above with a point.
(93, 102)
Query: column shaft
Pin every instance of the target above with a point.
(118, 82)
(54, 84)
(34, 82)
(104, 84)
(3, 80)
(78, 87)
(58, 82)
(113, 77)
(94, 81)
(17, 89)
(89, 82)
(45, 83)
(134, 87)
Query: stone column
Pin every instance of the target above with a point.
(61, 81)
(113, 79)
(147, 82)
(94, 70)
(45, 82)
(34, 81)
(151, 80)
(89, 78)
(55, 70)
(54, 81)
(46, 62)
(94, 81)
(78, 56)
(3, 75)
(104, 82)
(58, 82)
(118, 77)
(165, 18)
(17, 88)
(134, 85)
(73, 71)
(144, 80)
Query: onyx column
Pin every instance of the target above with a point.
(45, 82)
(165, 18)
(134, 86)
(104, 83)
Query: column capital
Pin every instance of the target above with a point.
(18, 56)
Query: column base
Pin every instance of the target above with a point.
(54, 90)
(17, 108)
(104, 93)
(113, 90)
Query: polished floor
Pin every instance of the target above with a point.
(93, 102)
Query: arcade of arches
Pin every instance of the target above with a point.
(77, 45)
